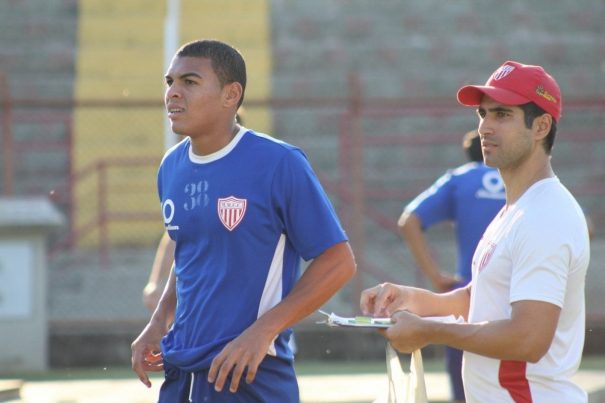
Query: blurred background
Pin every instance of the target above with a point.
(366, 88)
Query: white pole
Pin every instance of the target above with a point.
(171, 43)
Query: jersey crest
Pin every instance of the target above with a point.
(231, 211)
(486, 256)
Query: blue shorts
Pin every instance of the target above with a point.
(453, 362)
(275, 381)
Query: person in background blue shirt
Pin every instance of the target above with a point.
(469, 196)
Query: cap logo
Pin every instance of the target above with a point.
(545, 94)
(502, 72)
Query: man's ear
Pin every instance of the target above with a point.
(232, 94)
(542, 124)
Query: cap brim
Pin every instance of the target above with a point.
(471, 95)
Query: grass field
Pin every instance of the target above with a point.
(325, 382)
(302, 368)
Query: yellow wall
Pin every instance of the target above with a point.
(120, 62)
(246, 25)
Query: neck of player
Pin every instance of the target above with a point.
(521, 178)
(212, 141)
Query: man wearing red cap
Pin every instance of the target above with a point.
(524, 308)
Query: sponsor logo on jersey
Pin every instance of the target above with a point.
(492, 187)
(231, 211)
(168, 213)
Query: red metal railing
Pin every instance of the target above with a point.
(349, 185)
(100, 222)
(7, 137)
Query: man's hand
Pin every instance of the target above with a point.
(408, 332)
(146, 354)
(383, 300)
(244, 353)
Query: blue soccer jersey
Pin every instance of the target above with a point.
(470, 196)
(241, 218)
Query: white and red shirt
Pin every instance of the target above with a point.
(535, 249)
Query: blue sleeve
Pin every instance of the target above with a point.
(437, 203)
(159, 183)
(303, 207)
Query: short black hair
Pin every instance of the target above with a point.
(472, 145)
(532, 111)
(227, 62)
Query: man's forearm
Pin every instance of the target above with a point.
(525, 337)
(320, 281)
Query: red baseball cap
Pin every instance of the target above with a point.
(517, 84)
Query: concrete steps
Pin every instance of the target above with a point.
(37, 48)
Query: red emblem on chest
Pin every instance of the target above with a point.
(487, 255)
(231, 211)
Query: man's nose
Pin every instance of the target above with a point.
(484, 128)
(172, 92)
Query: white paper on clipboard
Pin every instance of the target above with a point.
(334, 320)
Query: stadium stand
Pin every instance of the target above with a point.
(366, 88)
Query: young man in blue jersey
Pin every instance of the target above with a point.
(242, 209)
(469, 196)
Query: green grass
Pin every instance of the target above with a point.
(67, 374)
(359, 367)
(302, 368)
(593, 362)
(345, 368)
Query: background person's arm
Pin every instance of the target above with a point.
(160, 270)
(410, 229)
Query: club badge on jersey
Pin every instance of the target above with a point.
(487, 252)
(231, 211)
